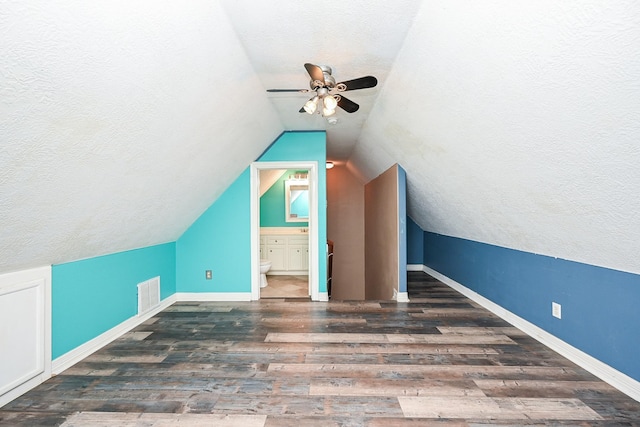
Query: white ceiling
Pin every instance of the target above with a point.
(355, 38)
(517, 121)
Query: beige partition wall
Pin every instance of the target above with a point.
(381, 236)
(345, 227)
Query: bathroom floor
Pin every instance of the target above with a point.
(286, 287)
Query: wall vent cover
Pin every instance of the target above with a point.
(148, 295)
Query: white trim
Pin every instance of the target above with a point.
(402, 296)
(74, 356)
(617, 379)
(314, 215)
(415, 267)
(23, 388)
(288, 273)
(212, 296)
(323, 296)
(77, 354)
(39, 277)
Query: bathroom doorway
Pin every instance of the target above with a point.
(284, 239)
(286, 247)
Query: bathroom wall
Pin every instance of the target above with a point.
(91, 296)
(599, 305)
(272, 204)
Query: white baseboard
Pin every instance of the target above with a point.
(414, 267)
(23, 388)
(323, 296)
(77, 354)
(72, 357)
(401, 296)
(617, 379)
(288, 273)
(212, 296)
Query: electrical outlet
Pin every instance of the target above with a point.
(556, 310)
(208, 274)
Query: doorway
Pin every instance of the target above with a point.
(284, 238)
(310, 259)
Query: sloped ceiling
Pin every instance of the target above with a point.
(517, 121)
(122, 121)
(355, 38)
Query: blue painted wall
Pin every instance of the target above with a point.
(600, 306)
(272, 205)
(307, 146)
(220, 241)
(91, 296)
(415, 243)
(402, 229)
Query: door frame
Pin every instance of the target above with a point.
(314, 276)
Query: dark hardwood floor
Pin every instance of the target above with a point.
(439, 359)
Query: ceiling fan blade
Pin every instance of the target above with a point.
(302, 110)
(288, 90)
(361, 83)
(348, 105)
(315, 72)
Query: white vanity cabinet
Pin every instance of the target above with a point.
(276, 250)
(288, 253)
(298, 247)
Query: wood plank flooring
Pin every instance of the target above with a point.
(437, 360)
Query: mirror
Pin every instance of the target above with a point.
(296, 200)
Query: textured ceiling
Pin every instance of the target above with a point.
(121, 123)
(517, 122)
(355, 38)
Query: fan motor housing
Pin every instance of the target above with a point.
(329, 81)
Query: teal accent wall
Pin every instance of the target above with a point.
(599, 305)
(91, 296)
(307, 146)
(220, 241)
(272, 205)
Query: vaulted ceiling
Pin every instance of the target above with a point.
(518, 122)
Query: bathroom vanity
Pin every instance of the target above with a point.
(287, 248)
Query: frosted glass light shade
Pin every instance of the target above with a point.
(311, 105)
(330, 102)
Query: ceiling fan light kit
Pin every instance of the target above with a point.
(327, 99)
(311, 105)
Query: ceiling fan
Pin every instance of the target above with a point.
(328, 93)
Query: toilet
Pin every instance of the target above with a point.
(265, 265)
